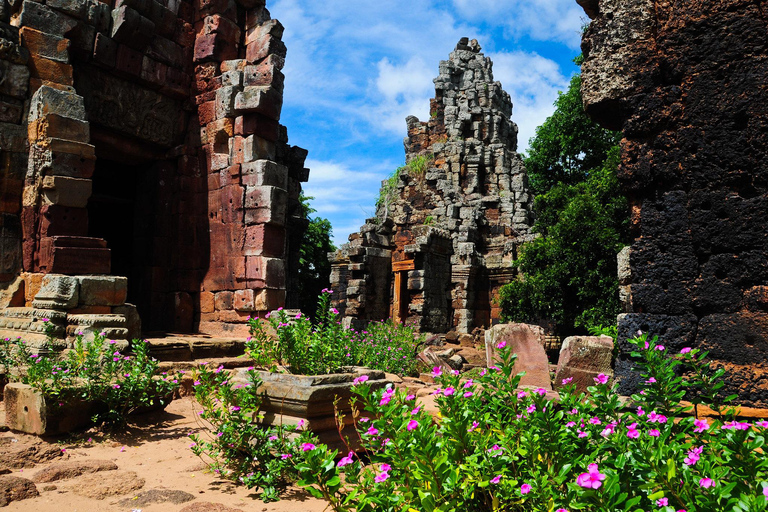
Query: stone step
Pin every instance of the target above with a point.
(180, 348)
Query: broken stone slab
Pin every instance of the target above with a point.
(289, 399)
(150, 496)
(14, 488)
(27, 410)
(70, 469)
(102, 290)
(57, 292)
(112, 483)
(527, 341)
(582, 358)
(47, 100)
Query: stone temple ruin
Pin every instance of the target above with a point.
(685, 82)
(448, 224)
(144, 172)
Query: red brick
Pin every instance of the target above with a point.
(259, 125)
(51, 70)
(214, 47)
(265, 239)
(206, 112)
(263, 47)
(207, 302)
(128, 60)
(63, 221)
(223, 300)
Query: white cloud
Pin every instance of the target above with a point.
(542, 20)
(533, 83)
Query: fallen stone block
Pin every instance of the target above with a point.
(103, 290)
(582, 358)
(72, 468)
(105, 485)
(57, 292)
(27, 410)
(527, 341)
(63, 191)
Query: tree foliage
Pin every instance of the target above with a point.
(314, 270)
(568, 146)
(568, 274)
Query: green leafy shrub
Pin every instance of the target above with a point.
(93, 371)
(494, 447)
(235, 443)
(323, 345)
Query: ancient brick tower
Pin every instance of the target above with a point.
(449, 223)
(686, 83)
(140, 138)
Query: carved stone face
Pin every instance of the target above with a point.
(615, 49)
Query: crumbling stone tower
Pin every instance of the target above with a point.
(142, 160)
(449, 223)
(686, 83)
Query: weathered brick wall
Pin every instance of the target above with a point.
(686, 82)
(172, 106)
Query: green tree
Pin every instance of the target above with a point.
(314, 270)
(569, 145)
(568, 274)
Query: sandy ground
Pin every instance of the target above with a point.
(156, 447)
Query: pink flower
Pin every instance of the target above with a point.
(654, 433)
(570, 424)
(640, 411)
(706, 483)
(531, 408)
(525, 489)
(693, 456)
(594, 421)
(496, 479)
(468, 394)
(437, 371)
(412, 425)
(495, 450)
(541, 391)
(410, 397)
(662, 502)
(273, 438)
(567, 381)
(345, 460)
(286, 456)
(601, 379)
(765, 493)
(561, 510)
(386, 467)
(685, 350)
(522, 394)
(652, 380)
(701, 425)
(307, 447)
(381, 477)
(448, 391)
(473, 427)
(660, 348)
(581, 433)
(372, 431)
(501, 344)
(731, 425)
(360, 379)
(593, 479)
(762, 424)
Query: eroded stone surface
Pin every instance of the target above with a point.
(527, 342)
(151, 496)
(582, 358)
(104, 485)
(70, 469)
(684, 82)
(14, 488)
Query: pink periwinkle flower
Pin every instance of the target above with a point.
(360, 379)
(412, 425)
(473, 427)
(660, 348)
(410, 397)
(762, 424)
(345, 460)
(495, 450)
(594, 421)
(601, 379)
(652, 380)
(685, 350)
(736, 425)
(525, 489)
(496, 479)
(654, 433)
(468, 394)
(693, 456)
(531, 408)
(372, 431)
(437, 371)
(765, 493)
(662, 502)
(307, 447)
(501, 344)
(701, 426)
(582, 433)
(286, 456)
(448, 391)
(593, 479)
(570, 424)
(381, 477)
(273, 438)
(522, 394)
(706, 483)
(567, 381)
(468, 384)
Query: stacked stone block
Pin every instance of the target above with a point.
(685, 82)
(453, 227)
(182, 98)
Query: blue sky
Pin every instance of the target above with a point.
(356, 68)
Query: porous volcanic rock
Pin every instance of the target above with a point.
(685, 82)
